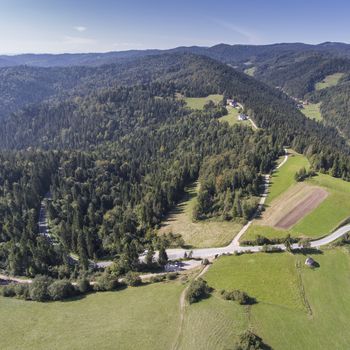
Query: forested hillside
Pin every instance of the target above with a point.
(232, 54)
(298, 74)
(116, 147)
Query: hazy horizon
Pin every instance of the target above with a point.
(162, 49)
(38, 26)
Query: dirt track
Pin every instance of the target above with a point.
(302, 209)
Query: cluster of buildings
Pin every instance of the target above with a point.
(243, 116)
(300, 103)
(233, 103)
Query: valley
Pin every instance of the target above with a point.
(176, 199)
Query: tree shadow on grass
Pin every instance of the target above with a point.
(179, 208)
(307, 251)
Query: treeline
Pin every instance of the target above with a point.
(230, 183)
(82, 122)
(107, 202)
(24, 180)
(335, 106)
(297, 74)
(117, 159)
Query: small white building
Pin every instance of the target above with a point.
(242, 116)
(309, 262)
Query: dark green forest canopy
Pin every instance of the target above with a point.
(116, 148)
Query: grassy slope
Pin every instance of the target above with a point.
(212, 324)
(232, 118)
(324, 219)
(256, 274)
(331, 212)
(144, 317)
(283, 178)
(199, 102)
(329, 80)
(326, 290)
(207, 233)
(250, 71)
(312, 111)
(280, 316)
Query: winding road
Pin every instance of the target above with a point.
(235, 247)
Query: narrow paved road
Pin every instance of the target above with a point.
(234, 246)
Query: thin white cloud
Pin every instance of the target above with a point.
(248, 36)
(80, 28)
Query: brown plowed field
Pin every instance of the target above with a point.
(294, 204)
(302, 209)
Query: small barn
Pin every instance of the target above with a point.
(242, 117)
(309, 262)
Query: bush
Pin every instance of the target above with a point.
(39, 288)
(84, 286)
(171, 276)
(271, 249)
(157, 278)
(261, 240)
(241, 297)
(250, 341)
(132, 279)
(197, 291)
(60, 290)
(22, 291)
(8, 291)
(106, 282)
(303, 174)
(205, 262)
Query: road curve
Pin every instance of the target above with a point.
(235, 247)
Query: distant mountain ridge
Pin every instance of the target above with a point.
(223, 52)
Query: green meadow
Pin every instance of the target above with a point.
(250, 71)
(199, 102)
(321, 221)
(283, 177)
(328, 81)
(312, 111)
(297, 307)
(199, 234)
(144, 317)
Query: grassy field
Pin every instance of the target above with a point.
(322, 220)
(199, 102)
(329, 80)
(201, 234)
(312, 111)
(331, 212)
(144, 317)
(232, 118)
(212, 324)
(283, 287)
(250, 71)
(256, 274)
(283, 178)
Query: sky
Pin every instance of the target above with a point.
(58, 26)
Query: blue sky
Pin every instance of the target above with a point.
(104, 25)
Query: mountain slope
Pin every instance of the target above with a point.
(188, 74)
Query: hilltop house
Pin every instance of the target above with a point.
(242, 116)
(232, 103)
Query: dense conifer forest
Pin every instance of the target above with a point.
(115, 147)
